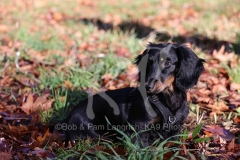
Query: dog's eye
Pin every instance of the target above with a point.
(150, 60)
(167, 64)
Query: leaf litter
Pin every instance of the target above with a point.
(23, 135)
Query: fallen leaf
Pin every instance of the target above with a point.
(203, 99)
(205, 91)
(234, 86)
(219, 130)
(3, 28)
(218, 107)
(222, 56)
(45, 154)
(27, 106)
(236, 120)
(83, 46)
(123, 52)
(231, 145)
(208, 134)
(217, 89)
(214, 80)
(112, 88)
(68, 84)
(57, 16)
(6, 155)
(40, 139)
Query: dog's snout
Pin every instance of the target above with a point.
(150, 84)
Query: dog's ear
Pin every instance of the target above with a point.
(138, 60)
(139, 57)
(189, 69)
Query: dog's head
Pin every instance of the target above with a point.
(166, 66)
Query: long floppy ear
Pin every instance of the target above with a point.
(139, 57)
(138, 60)
(189, 69)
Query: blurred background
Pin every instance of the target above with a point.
(54, 52)
(62, 33)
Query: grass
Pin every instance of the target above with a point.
(83, 77)
(64, 100)
(73, 79)
(234, 73)
(130, 9)
(89, 149)
(103, 149)
(39, 32)
(78, 77)
(40, 41)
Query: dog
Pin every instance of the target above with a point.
(157, 108)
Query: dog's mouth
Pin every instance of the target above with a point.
(159, 87)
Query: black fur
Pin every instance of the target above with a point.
(180, 63)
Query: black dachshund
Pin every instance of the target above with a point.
(157, 107)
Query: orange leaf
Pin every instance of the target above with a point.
(220, 106)
(112, 88)
(231, 145)
(236, 120)
(222, 132)
(42, 138)
(27, 106)
(234, 86)
(68, 84)
(3, 28)
(219, 89)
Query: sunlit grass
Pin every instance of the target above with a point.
(234, 73)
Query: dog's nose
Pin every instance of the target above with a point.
(149, 85)
(148, 88)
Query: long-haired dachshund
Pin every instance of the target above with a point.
(158, 107)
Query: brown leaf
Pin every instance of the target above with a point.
(236, 120)
(16, 131)
(222, 56)
(3, 28)
(208, 134)
(6, 155)
(27, 106)
(43, 138)
(218, 107)
(219, 89)
(112, 88)
(57, 16)
(106, 78)
(10, 108)
(132, 70)
(25, 68)
(82, 56)
(123, 52)
(42, 103)
(83, 46)
(68, 84)
(203, 99)
(45, 154)
(214, 79)
(234, 86)
(222, 132)
(231, 145)
(205, 91)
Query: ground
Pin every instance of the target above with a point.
(54, 53)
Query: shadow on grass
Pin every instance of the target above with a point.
(143, 31)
